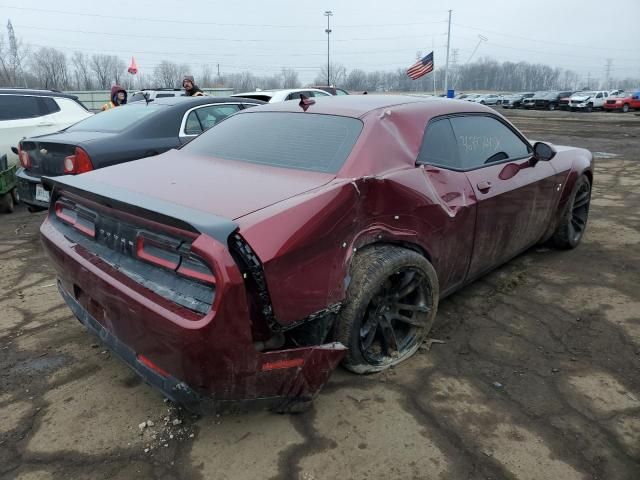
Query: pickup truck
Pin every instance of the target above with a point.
(588, 100)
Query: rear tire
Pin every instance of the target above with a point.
(625, 107)
(573, 223)
(552, 106)
(390, 307)
(6, 203)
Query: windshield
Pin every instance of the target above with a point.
(302, 141)
(115, 119)
(137, 97)
(584, 94)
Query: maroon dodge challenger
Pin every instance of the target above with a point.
(294, 236)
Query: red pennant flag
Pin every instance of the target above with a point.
(133, 68)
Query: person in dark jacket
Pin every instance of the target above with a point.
(118, 97)
(190, 87)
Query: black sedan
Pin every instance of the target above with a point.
(118, 135)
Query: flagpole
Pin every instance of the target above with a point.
(433, 73)
(446, 70)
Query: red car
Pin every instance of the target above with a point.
(293, 236)
(623, 103)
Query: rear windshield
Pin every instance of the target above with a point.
(302, 141)
(116, 119)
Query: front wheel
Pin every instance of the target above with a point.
(552, 106)
(389, 310)
(625, 107)
(6, 203)
(574, 218)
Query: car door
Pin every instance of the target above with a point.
(19, 118)
(514, 195)
(452, 219)
(203, 117)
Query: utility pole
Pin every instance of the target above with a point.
(588, 80)
(446, 70)
(328, 14)
(14, 56)
(608, 72)
(218, 70)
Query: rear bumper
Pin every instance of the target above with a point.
(211, 360)
(27, 189)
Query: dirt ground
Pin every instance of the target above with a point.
(538, 378)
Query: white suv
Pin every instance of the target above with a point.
(26, 113)
(588, 100)
(272, 96)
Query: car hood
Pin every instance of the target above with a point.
(227, 188)
(71, 138)
(581, 97)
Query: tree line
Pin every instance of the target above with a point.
(50, 68)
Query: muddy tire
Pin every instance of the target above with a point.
(6, 203)
(574, 217)
(390, 307)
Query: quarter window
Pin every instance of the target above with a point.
(16, 107)
(206, 117)
(439, 145)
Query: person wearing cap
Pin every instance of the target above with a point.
(190, 88)
(118, 97)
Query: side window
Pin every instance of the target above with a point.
(213, 114)
(341, 92)
(50, 105)
(164, 95)
(484, 140)
(16, 107)
(599, 95)
(192, 125)
(294, 96)
(439, 145)
(318, 94)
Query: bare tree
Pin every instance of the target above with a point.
(101, 66)
(82, 71)
(337, 71)
(289, 78)
(118, 69)
(169, 75)
(206, 76)
(50, 68)
(356, 80)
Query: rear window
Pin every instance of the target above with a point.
(116, 119)
(302, 141)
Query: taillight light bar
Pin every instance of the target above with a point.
(69, 215)
(79, 162)
(166, 255)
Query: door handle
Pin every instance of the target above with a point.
(45, 124)
(484, 187)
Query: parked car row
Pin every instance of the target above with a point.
(606, 100)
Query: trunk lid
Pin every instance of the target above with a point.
(47, 152)
(227, 188)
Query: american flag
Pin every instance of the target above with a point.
(421, 67)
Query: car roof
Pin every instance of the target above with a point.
(357, 106)
(35, 93)
(278, 90)
(179, 100)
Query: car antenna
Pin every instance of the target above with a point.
(305, 102)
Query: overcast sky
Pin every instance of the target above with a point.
(371, 35)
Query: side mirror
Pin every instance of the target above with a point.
(543, 151)
(14, 150)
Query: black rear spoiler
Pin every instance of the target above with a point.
(143, 206)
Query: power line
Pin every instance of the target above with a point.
(213, 39)
(537, 40)
(188, 22)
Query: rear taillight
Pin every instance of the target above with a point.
(25, 159)
(79, 220)
(164, 253)
(79, 162)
